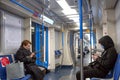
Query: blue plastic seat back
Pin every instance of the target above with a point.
(57, 52)
(3, 69)
(110, 74)
(117, 68)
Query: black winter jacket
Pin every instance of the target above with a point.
(29, 63)
(108, 58)
(23, 56)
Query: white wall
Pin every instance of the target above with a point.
(117, 18)
(58, 40)
(51, 50)
(11, 33)
(67, 59)
(99, 34)
(108, 26)
(111, 25)
(27, 29)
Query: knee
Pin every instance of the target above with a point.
(44, 72)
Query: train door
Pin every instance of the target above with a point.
(40, 43)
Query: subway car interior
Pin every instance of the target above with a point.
(64, 34)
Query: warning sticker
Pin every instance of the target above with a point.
(4, 61)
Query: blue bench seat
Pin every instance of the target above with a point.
(9, 59)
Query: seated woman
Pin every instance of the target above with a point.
(102, 64)
(24, 55)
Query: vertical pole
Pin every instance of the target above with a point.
(62, 45)
(37, 42)
(42, 42)
(62, 37)
(42, 45)
(62, 40)
(81, 38)
(90, 20)
(42, 34)
(46, 56)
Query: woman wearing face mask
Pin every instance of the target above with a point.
(102, 64)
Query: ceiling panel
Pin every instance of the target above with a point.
(98, 6)
(53, 10)
(110, 4)
(54, 5)
(72, 3)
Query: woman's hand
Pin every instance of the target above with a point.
(32, 54)
(95, 56)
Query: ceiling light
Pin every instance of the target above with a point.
(46, 19)
(63, 4)
(77, 28)
(66, 8)
(72, 16)
(69, 11)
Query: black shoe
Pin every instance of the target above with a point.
(47, 71)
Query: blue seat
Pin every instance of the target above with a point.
(114, 73)
(57, 53)
(27, 77)
(3, 69)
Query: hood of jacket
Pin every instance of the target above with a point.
(106, 41)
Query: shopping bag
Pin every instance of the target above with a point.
(15, 70)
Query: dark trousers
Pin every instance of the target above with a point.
(36, 73)
(89, 72)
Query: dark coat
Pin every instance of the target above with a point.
(103, 64)
(109, 56)
(107, 60)
(29, 63)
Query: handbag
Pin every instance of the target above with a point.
(15, 70)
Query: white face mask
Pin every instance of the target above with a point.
(102, 46)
